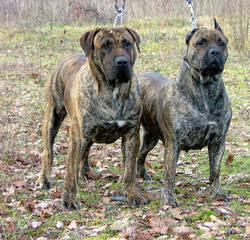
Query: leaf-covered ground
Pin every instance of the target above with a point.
(27, 59)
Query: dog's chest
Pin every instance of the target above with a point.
(204, 120)
(105, 121)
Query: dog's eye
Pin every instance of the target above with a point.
(221, 44)
(126, 44)
(201, 42)
(106, 46)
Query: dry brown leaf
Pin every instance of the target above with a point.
(34, 75)
(73, 225)
(11, 224)
(229, 159)
(177, 213)
(144, 236)
(182, 230)
(128, 233)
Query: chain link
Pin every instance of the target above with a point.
(119, 12)
(192, 18)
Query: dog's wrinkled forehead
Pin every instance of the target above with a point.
(116, 35)
(211, 35)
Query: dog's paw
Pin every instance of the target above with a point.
(43, 183)
(135, 200)
(87, 173)
(217, 192)
(169, 199)
(141, 173)
(69, 203)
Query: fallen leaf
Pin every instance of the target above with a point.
(107, 185)
(9, 191)
(73, 225)
(42, 238)
(97, 229)
(144, 236)
(217, 220)
(229, 159)
(11, 224)
(183, 231)
(128, 233)
(120, 225)
(176, 212)
(223, 212)
(161, 225)
(34, 75)
(35, 224)
(59, 224)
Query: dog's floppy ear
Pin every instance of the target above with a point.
(135, 36)
(190, 35)
(217, 26)
(86, 41)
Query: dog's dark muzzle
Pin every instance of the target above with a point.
(123, 68)
(213, 61)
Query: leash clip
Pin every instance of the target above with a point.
(119, 12)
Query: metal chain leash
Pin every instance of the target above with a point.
(119, 12)
(193, 18)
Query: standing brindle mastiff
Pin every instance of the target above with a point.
(190, 112)
(101, 94)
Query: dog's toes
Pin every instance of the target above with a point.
(170, 200)
(135, 200)
(43, 183)
(69, 203)
(143, 174)
(217, 192)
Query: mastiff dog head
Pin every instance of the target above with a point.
(207, 50)
(111, 52)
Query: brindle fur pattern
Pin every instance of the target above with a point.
(101, 94)
(190, 112)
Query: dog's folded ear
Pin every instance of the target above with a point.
(86, 41)
(135, 36)
(190, 35)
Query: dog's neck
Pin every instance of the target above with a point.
(116, 89)
(197, 75)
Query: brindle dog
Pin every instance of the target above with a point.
(190, 112)
(101, 94)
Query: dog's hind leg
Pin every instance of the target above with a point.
(53, 119)
(148, 143)
(84, 164)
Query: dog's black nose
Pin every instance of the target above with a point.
(121, 62)
(214, 52)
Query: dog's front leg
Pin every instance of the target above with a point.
(77, 148)
(130, 147)
(216, 151)
(171, 156)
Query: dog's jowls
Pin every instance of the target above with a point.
(190, 112)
